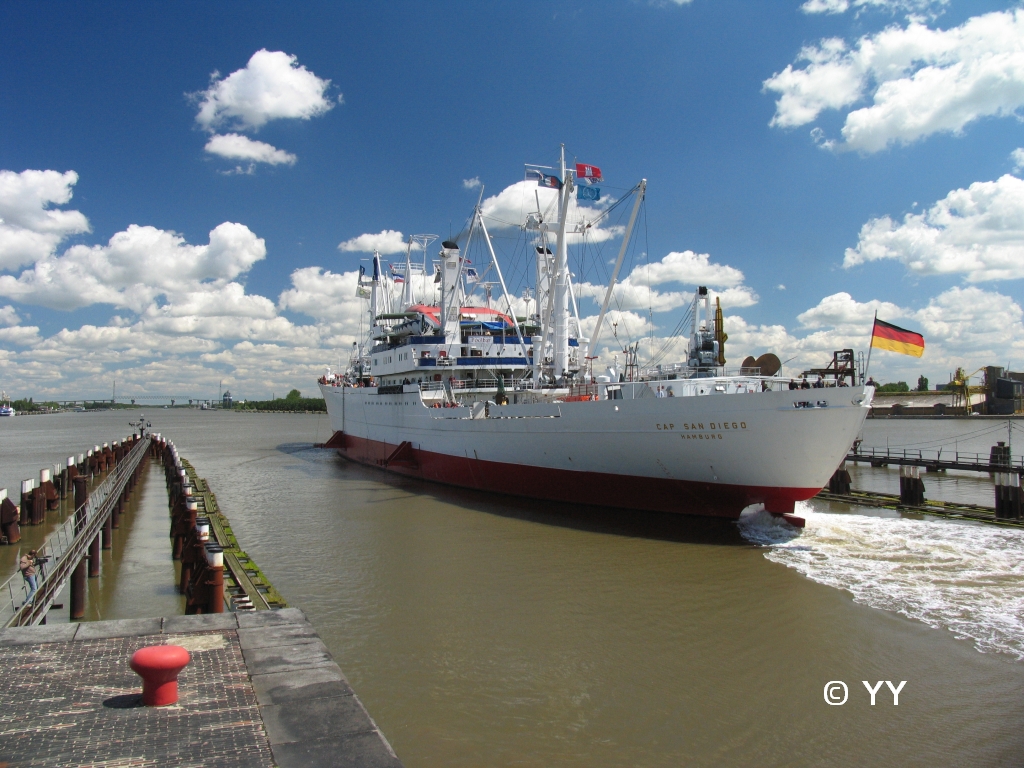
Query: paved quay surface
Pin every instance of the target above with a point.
(261, 690)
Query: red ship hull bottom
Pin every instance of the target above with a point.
(596, 488)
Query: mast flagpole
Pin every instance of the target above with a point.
(870, 345)
(560, 322)
(407, 295)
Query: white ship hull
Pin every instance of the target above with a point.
(710, 455)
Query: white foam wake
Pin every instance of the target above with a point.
(967, 578)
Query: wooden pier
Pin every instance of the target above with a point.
(71, 554)
(245, 585)
(76, 544)
(967, 462)
(259, 689)
(1005, 469)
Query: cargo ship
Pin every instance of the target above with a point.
(459, 391)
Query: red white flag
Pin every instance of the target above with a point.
(589, 173)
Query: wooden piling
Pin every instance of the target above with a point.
(94, 558)
(38, 506)
(840, 481)
(81, 497)
(215, 578)
(69, 475)
(9, 519)
(108, 534)
(78, 591)
(25, 503)
(1008, 496)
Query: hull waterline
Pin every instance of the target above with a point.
(711, 456)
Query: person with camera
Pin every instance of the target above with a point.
(27, 564)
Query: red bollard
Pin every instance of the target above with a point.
(159, 666)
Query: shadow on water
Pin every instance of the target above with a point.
(662, 526)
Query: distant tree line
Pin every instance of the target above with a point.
(901, 386)
(30, 406)
(293, 402)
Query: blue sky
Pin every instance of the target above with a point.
(177, 178)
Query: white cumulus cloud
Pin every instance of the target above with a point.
(8, 316)
(473, 183)
(919, 81)
(234, 146)
(386, 241)
(893, 6)
(977, 232)
(841, 311)
(272, 86)
(640, 289)
(1018, 159)
(689, 268)
(516, 202)
(29, 228)
(135, 267)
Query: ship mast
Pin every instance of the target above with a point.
(560, 324)
(407, 294)
(375, 289)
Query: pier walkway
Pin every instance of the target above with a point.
(68, 547)
(261, 690)
(934, 461)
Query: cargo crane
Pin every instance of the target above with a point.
(961, 386)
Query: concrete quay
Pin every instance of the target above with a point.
(261, 690)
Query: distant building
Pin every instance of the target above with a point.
(1004, 391)
(227, 403)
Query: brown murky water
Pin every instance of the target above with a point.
(484, 630)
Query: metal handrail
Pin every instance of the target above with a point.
(66, 546)
(981, 460)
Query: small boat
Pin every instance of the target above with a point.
(6, 409)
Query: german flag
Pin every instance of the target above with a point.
(888, 336)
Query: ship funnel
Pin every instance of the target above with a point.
(451, 289)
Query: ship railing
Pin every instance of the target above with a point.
(507, 382)
(681, 371)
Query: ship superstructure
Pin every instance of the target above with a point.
(458, 388)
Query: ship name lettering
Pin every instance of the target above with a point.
(718, 425)
(666, 426)
(713, 425)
